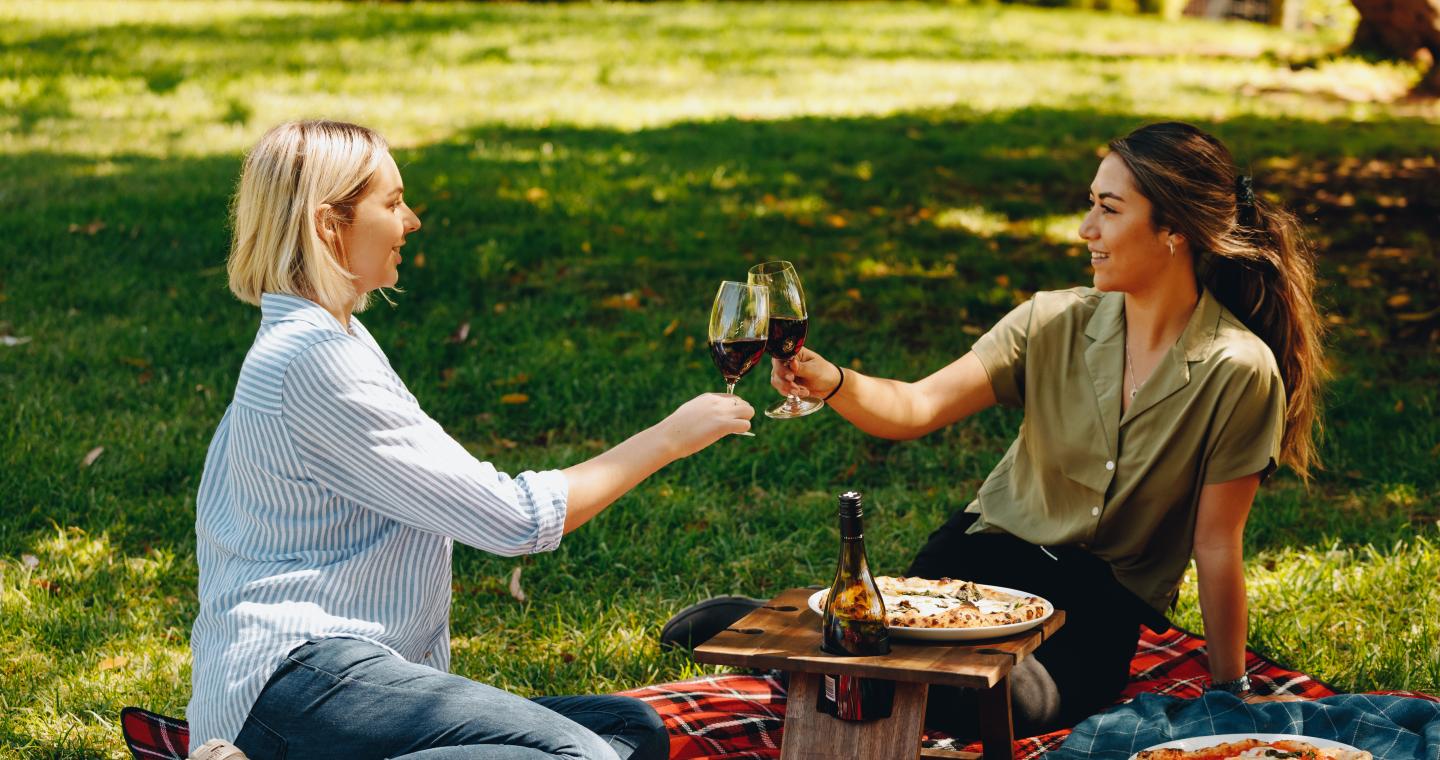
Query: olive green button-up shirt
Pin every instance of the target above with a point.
(1124, 487)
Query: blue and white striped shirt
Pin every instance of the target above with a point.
(327, 508)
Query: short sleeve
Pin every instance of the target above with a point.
(1248, 440)
(364, 438)
(1002, 352)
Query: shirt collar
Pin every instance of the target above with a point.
(1109, 319)
(283, 307)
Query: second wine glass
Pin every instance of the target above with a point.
(789, 324)
(739, 328)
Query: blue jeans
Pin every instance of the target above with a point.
(348, 699)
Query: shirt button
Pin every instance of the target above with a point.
(1095, 511)
(1110, 465)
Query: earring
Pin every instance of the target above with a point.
(1171, 243)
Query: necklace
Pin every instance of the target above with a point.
(1130, 366)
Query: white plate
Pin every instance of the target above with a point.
(817, 603)
(1201, 742)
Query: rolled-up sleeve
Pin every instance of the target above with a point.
(362, 436)
(1002, 352)
(1248, 439)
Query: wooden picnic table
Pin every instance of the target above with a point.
(785, 635)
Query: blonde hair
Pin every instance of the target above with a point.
(288, 178)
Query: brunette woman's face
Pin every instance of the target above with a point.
(373, 238)
(1126, 251)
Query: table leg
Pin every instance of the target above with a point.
(813, 735)
(997, 731)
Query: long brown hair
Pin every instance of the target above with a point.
(1249, 253)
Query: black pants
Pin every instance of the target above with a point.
(1075, 673)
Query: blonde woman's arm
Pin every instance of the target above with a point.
(701, 421)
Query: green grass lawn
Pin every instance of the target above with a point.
(586, 175)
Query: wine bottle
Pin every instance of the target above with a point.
(854, 625)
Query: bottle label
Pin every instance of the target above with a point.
(855, 699)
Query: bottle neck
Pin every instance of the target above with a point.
(852, 543)
(852, 527)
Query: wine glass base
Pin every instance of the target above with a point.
(792, 407)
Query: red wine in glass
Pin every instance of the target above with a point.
(734, 358)
(787, 337)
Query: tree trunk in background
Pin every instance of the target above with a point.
(1402, 28)
(1286, 14)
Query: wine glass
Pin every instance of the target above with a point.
(739, 326)
(788, 325)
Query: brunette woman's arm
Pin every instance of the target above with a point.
(1219, 563)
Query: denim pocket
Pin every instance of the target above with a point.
(259, 742)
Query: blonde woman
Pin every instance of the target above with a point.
(330, 500)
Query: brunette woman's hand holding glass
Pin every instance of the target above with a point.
(789, 326)
(807, 375)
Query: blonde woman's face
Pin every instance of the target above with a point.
(382, 220)
(1126, 251)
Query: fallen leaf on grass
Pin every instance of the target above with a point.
(461, 333)
(419, 261)
(536, 194)
(515, 398)
(111, 663)
(519, 379)
(14, 340)
(515, 589)
(628, 300)
(1397, 300)
(672, 327)
(88, 229)
(46, 584)
(30, 561)
(92, 456)
(689, 342)
(505, 443)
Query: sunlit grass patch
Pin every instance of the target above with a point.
(1375, 604)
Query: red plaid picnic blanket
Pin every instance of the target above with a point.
(739, 717)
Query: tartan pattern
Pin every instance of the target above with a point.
(150, 735)
(739, 717)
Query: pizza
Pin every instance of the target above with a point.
(949, 603)
(1254, 749)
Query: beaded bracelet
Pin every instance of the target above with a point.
(837, 385)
